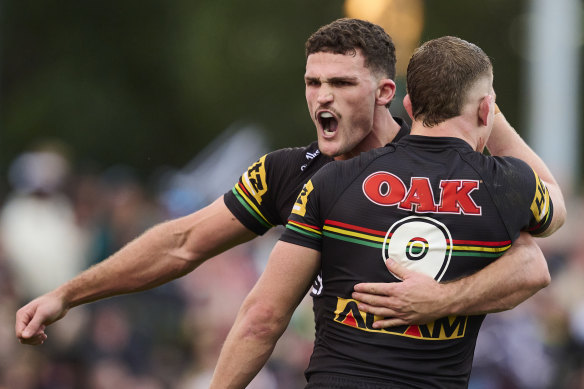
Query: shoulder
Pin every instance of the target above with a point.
(344, 171)
(309, 151)
(504, 168)
(296, 158)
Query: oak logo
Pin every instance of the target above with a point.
(446, 328)
(386, 189)
(254, 179)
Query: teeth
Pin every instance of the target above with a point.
(327, 119)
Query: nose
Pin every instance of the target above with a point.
(325, 94)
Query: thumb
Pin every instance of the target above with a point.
(400, 271)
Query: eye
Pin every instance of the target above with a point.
(312, 82)
(341, 83)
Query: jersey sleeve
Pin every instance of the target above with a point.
(304, 227)
(522, 197)
(247, 200)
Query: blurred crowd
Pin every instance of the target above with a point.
(56, 221)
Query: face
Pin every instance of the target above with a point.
(341, 96)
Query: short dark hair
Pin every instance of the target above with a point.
(345, 36)
(440, 73)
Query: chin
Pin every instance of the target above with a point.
(328, 150)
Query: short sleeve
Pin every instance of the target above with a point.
(247, 200)
(521, 196)
(304, 226)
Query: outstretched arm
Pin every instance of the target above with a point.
(419, 299)
(265, 314)
(163, 253)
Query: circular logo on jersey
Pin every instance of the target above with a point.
(419, 243)
(417, 248)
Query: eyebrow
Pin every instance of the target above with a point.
(333, 79)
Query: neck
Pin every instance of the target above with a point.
(457, 127)
(384, 130)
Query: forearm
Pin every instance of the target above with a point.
(163, 253)
(142, 264)
(505, 141)
(265, 314)
(502, 285)
(247, 348)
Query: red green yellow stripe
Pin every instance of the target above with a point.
(375, 238)
(305, 229)
(241, 195)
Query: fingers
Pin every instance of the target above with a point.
(391, 317)
(23, 319)
(378, 288)
(29, 326)
(33, 328)
(35, 340)
(377, 310)
(32, 334)
(379, 299)
(20, 324)
(396, 269)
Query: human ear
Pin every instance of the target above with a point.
(385, 91)
(408, 106)
(486, 106)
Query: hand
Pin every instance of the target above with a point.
(33, 318)
(415, 300)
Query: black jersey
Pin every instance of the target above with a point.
(264, 195)
(432, 204)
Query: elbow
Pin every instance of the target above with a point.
(541, 275)
(262, 321)
(562, 214)
(559, 211)
(544, 279)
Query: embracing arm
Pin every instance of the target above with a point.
(506, 283)
(505, 141)
(163, 253)
(419, 299)
(265, 314)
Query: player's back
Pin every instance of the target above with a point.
(433, 205)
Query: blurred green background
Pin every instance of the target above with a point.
(152, 87)
(151, 83)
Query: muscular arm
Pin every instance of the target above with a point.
(418, 299)
(165, 252)
(265, 314)
(505, 141)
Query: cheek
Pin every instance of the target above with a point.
(362, 101)
(362, 112)
(308, 104)
(311, 93)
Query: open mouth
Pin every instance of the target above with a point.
(328, 122)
